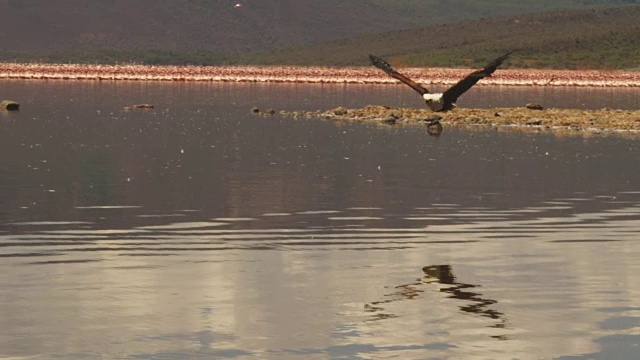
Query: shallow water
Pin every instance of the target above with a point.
(199, 230)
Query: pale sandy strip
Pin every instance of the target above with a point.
(297, 74)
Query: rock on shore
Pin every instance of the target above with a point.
(9, 105)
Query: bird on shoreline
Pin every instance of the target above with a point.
(441, 101)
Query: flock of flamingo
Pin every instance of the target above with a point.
(296, 74)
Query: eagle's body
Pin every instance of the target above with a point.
(435, 102)
(446, 100)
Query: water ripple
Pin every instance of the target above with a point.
(555, 222)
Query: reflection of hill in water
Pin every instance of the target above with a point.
(442, 275)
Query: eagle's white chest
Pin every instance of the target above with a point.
(432, 97)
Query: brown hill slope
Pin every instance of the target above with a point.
(44, 25)
(210, 31)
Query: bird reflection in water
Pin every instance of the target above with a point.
(441, 275)
(434, 128)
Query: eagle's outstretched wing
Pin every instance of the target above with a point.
(452, 94)
(386, 67)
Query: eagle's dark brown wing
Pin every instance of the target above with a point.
(452, 94)
(384, 66)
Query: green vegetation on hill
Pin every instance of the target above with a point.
(582, 39)
(441, 12)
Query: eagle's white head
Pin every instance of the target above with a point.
(432, 97)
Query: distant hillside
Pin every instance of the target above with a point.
(603, 38)
(219, 31)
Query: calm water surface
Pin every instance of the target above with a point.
(198, 230)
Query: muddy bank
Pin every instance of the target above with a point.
(521, 118)
(298, 74)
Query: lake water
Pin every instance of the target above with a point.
(199, 230)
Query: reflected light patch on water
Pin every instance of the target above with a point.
(108, 207)
(47, 223)
(186, 225)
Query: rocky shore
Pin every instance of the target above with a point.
(528, 118)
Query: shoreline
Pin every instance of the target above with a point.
(319, 75)
(574, 121)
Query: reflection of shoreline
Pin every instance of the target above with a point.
(443, 275)
(299, 74)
